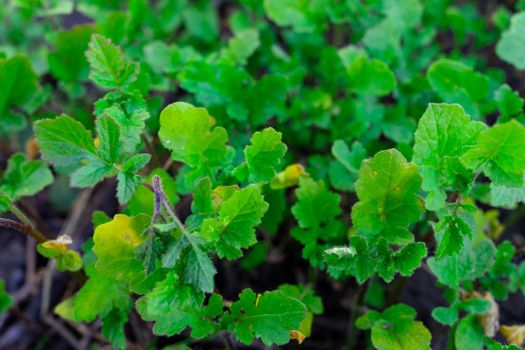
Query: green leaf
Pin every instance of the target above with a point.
(5, 299)
(269, 316)
(405, 13)
(67, 144)
(67, 63)
(509, 102)
(98, 297)
(109, 135)
(403, 261)
(316, 205)
(477, 306)
(494, 345)
(444, 133)
(24, 177)
(195, 266)
(244, 44)
(5, 203)
(473, 261)
(305, 294)
(517, 279)
(500, 154)
(387, 190)
(110, 69)
(129, 111)
(188, 133)
(396, 329)
(343, 172)
(507, 197)
(355, 260)
(367, 76)
(218, 84)
(469, 334)
(200, 19)
(161, 57)
(19, 85)
(302, 16)
(113, 328)
(454, 82)
(67, 259)
(64, 141)
(446, 316)
(452, 231)
(91, 161)
(503, 260)
(234, 228)
(151, 250)
(264, 154)
(175, 306)
(127, 178)
(511, 46)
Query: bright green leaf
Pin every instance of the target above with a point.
(445, 132)
(234, 230)
(396, 329)
(387, 190)
(187, 131)
(110, 69)
(500, 154)
(24, 177)
(269, 316)
(174, 307)
(454, 82)
(264, 154)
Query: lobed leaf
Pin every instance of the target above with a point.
(387, 190)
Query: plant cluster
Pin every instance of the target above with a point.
(380, 136)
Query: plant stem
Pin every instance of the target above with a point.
(35, 218)
(228, 344)
(395, 289)
(159, 191)
(353, 332)
(151, 150)
(25, 227)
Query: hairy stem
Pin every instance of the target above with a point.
(25, 226)
(159, 191)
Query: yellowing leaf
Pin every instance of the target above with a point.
(66, 309)
(296, 335)
(114, 246)
(67, 259)
(490, 320)
(60, 243)
(288, 177)
(514, 334)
